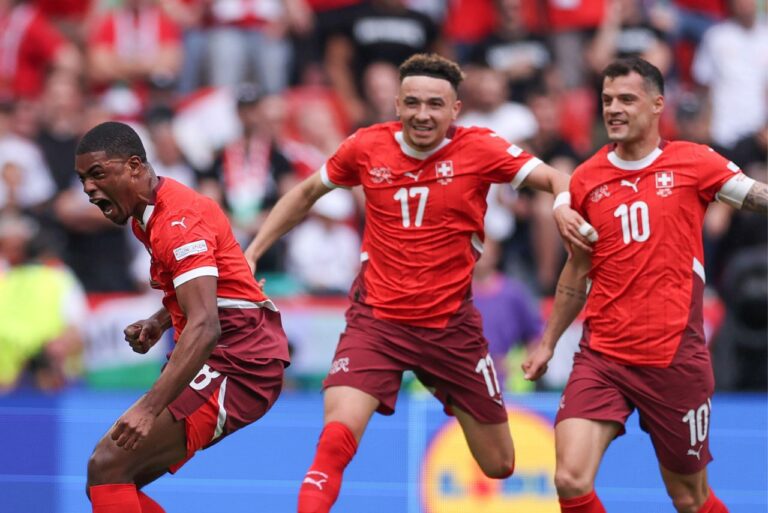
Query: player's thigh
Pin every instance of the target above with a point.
(687, 491)
(350, 406)
(165, 445)
(490, 444)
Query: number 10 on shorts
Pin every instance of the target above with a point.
(698, 422)
(485, 367)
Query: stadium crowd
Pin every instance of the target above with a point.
(241, 99)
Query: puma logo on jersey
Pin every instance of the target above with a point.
(627, 183)
(179, 223)
(415, 176)
(322, 478)
(697, 453)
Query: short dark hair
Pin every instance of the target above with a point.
(116, 139)
(623, 67)
(432, 65)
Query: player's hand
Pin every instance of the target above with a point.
(535, 365)
(132, 427)
(142, 335)
(574, 229)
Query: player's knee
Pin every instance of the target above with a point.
(685, 501)
(501, 468)
(104, 467)
(571, 484)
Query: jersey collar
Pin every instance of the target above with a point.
(420, 155)
(633, 165)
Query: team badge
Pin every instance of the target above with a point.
(665, 180)
(599, 193)
(380, 174)
(444, 171)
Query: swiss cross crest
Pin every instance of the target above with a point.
(380, 174)
(599, 193)
(444, 171)
(665, 180)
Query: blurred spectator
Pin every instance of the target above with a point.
(71, 17)
(324, 251)
(511, 319)
(467, 23)
(250, 173)
(168, 159)
(190, 16)
(487, 105)
(251, 32)
(25, 182)
(732, 62)
(314, 135)
(132, 49)
(41, 310)
(549, 145)
(381, 83)
(571, 23)
(512, 50)
(379, 30)
(626, 31)
(29, 47)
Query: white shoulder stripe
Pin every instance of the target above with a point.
(698, 268)
(525, 171)
(195, 273)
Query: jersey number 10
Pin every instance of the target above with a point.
(635, 224)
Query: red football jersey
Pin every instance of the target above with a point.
(647, 266)
(187, 236)
(423, 215)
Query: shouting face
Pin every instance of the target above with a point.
(110, 183)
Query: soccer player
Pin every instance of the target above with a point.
(425, 183)
(226, 368)
(643, 344)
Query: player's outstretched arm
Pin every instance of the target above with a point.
(573, 228)
(570, 296)
(142, 335)
(197, 299)
(286, 214)
(757, 198)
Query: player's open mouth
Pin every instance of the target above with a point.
(617, 122)
(105, 206)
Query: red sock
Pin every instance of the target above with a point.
(115, 498)
(713, 504)
(148, 505)
(321, 485)
(588, 503)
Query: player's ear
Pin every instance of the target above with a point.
(658, 104)
(456, 109)
(134, 165)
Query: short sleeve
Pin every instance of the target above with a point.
(185, 245)
(341, 169)
(501, 161)
(714, 171)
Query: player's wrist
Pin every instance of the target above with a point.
(564, 198)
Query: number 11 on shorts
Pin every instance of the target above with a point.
(485, 367)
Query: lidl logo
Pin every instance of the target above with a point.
(451, 481)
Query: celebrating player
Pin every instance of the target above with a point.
(425, 183)
(643, 344)
(226, 369)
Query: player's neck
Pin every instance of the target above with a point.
(637, 150)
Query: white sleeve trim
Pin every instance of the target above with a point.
(195, 273)
(698, 268)
(324, 177)
(525, 171)
(735, 190)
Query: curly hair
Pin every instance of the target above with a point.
(432, 65)
(113, 138)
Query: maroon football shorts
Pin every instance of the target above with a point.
(233, 388)
(453, 362)
(674, 403)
